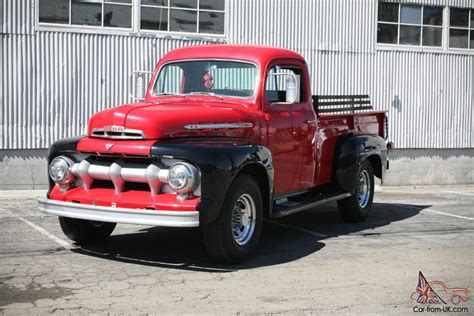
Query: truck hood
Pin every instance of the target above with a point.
(182, 118)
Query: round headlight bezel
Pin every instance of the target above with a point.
(67, 164)
(192, 177)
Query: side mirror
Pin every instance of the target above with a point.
(291, 86)
(138, 82)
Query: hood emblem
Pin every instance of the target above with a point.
(108, 146)
(114, 128)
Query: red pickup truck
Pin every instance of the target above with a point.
(225, 137)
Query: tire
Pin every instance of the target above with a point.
(85, 232)
(356, 207)
(234, 235)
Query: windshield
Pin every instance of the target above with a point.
(209, 77)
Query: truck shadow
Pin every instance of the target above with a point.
(282, 241)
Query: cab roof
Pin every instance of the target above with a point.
(256, 54)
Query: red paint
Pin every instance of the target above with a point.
(167, 116)
(131, 147)
(302, 143)
(331, 127)
(128, 199)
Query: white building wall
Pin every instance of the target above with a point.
(51, 82)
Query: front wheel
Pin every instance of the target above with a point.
(356, 207)
(234, 235)
(85, 232)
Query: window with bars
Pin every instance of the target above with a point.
(410, 24)
(101, 13)
(175, 16)
(187, 16)
(461, 28)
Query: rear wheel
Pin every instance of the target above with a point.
(234, 235)
(85, 232)
(456, 299)
(356, 207)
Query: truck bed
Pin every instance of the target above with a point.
(331, 127)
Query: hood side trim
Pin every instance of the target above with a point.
(219, 125)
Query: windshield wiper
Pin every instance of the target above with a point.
(168, 93)
(212, 94)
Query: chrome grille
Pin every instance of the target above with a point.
(120, 172)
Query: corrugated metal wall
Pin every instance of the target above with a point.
(304, 25)
(452, 3)
(53, 81)
(429, 95)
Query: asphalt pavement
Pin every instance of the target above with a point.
(306, 263)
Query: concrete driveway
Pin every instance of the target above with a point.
(306, 263)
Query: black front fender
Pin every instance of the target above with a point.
(351, 152)
(219, 161)
(65, 146)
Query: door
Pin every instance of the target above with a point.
(291, 129)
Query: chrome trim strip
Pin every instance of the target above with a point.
(119, 215)
(117, 129)
(219, 125)
(117, 137)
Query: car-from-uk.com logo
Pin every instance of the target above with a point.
(437, 297)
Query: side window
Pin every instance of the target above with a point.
(275, 87)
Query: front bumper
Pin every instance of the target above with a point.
(119, 215)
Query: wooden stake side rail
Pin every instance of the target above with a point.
(341, 103)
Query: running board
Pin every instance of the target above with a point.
(299, 207)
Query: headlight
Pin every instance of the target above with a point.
(60, 170)
(183, 177)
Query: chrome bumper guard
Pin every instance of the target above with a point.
(119, 215)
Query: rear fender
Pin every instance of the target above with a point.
(352, 152)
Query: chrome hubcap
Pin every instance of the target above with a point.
(243, 219)
(364, 189)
